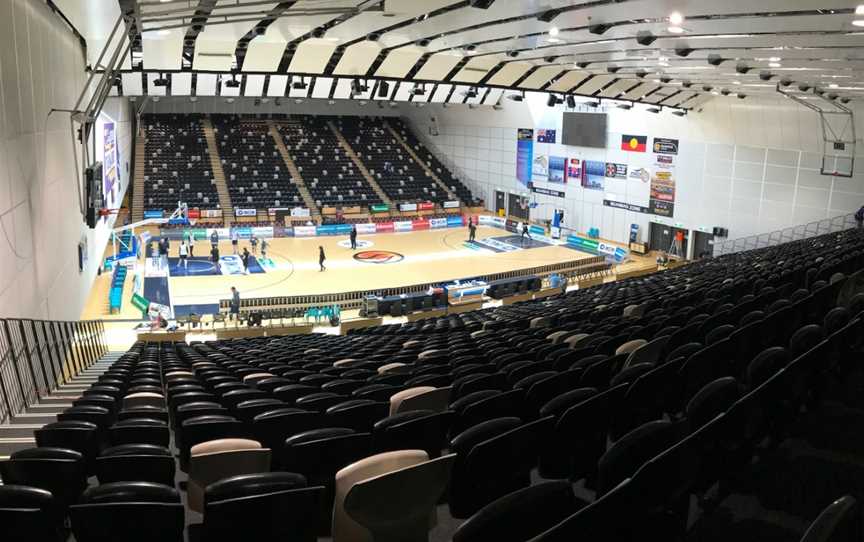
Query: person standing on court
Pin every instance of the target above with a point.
(321, 258)
(245, 258)
(190, 242)
(234, 307)
(254, 242)
(183, 252)
(214, 239)
(264, 246)
(353, 237)
(525, 232)
(163, 253)
(472, 229)
(214, 257)
(235, 238)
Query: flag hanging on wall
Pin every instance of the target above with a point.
(633, 143)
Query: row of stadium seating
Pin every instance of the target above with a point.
(178, 163)
(666, 397)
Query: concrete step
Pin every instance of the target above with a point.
(33, 418)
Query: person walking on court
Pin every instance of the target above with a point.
(190, 242)
(472, 229)
(254, 242)
(264, 246)
(525, 232)
(163, 253)
(245, 258)
(353, 237)
(234, 240)
(321, 258)
(214, 257)
(234, 307)
(183, 252)
(214, 239)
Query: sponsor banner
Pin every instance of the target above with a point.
(383, 227)
(451, 205)
(511, 225)
(455, 221)
(153, 213)
(436, 223)
(280, 230)
(546, 135)
(211, 213)
(223, 233)
(616, 171)
(420, 224)
(402, 225)
(593, 174)
(245, 212)
(641, 174)
(557, 169)
(304, 231)
(626, 206)
(546, 191)
(485, 220)
(365, 228)
(664, 160)
(263, 231)
(406, 207)
(540, 168)
(300, 212)
(599, 248)
(634, 143)
(534, 229)
(497, 245)
(524, 154)
(193, 213)
(664, 145)
(333, 229)
(429, 206)
(499, 222)
(379, 208)
(661, 208)
(140, 303)
(243, 233)
(574, 168)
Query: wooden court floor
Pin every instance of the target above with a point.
(426, 256)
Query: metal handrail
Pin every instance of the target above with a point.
(785, 235)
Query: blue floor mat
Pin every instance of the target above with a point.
(520, 242)
(205, 308)
(156, 290)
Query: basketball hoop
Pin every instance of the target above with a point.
(106, 212)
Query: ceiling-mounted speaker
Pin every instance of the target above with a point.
(374, 36)
(582, 65)
(641, 74)
(741, 96)
(644, 37)
(512, 54)
(666, 79)
(707, 88)
(844, 100)
(551, 100)
(550, 59)
(599, 29)
(481, 4)
(516, 97)
(832, 96)
(687, 84)
(549, 16)
(423, 43)
(613, 69)
(383, 89)
(318, 32)
(625, 107)
(715, 60)
(819, 91)
(725, 92)
(679, 113)
(653, 110)
(804, 87)
(571, 102)
(785, 81)
(765, 75)
(742, 68)
(683, 51)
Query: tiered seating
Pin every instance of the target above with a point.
(668, 398)
(255, 173)
(329, 174)
(380, 151)
(434, 163)
(177, 163)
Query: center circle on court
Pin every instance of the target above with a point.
(378, 256)
(361, 243)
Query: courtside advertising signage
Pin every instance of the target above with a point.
(664, 145)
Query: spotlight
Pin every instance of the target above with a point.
(683, 51)
(383, 89)
(228, 100)
(516, 97)
(715, 60)
(417, 90)
(625, 107)
(318, 32)
(550, 59)
(653, 110)
(551, 101)
(193, 99)
(161, 81)
(679, 113)
(613, 69)
(553, 31)
(741, 96)
(687, 84)
(641, 74)
(233, 82)
(725, 92)
(512, 54)
(676, 18)
(582, 65)
(571, 102)
(742, 68)
(599, 29)
(644, 37)
(804, 87)
(785, 81)
(765, 75)
(423, 43)
(844, 100)
(299, 84)
(362, 103)
(373, 36)
(592, 104)
(665, 79)
(471, 92)
(707, 88)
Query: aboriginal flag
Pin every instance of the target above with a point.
(633, 143)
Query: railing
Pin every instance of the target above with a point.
(37, 356)
(794, 233)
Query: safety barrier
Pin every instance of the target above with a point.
(37, 356)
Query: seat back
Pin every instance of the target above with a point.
(218, 459)
(135, 511)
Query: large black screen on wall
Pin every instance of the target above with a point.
(584, 129)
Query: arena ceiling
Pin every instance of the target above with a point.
(660, 52)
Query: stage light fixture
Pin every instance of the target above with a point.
(679, 113)
(683, 51)
(613, 69)
(741, 96)
(383, 89)
(725, 92)
(644, 37)
(765, 75)
(665, 79)
(653, 110)
(571, 102)
(548, 16)
(804, 87)
(582, 65)
(481, 4)
(742, 68)
(845, 100)
(687, 84)
(715, 60)
(299, 84)
(599, 29)
(592, 104)
(517, 97)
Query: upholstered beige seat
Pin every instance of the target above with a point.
(540, 321)
(411, 344)
(630, 346)
(648, 352)
(429, 353)
(172, 374)
(254, 378)
(557, 336)
(394, 368)
(347, 362)
(389, 497)
(420, 398)
(145, 399)
(480, 333)
(573, 340)
(217, 459)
